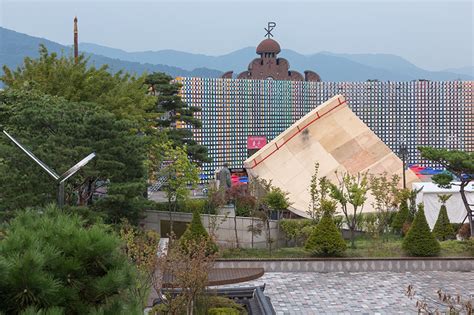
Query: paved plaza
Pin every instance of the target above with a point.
(357, 293)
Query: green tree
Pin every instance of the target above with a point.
(50, 259)
(61, 133)
(411, 194)
(457, 163)
(140, 246)
(121, 94)
(319, 190)
(178, 172)
(326, 239)
(177, 118)
(260, 189)
(443, 229)
(351, 190)
(419, 240)
(277, 200)
(196, 232)
(386, 194)
(401, 216)
(244, 203)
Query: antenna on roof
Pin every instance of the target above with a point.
(269, 29)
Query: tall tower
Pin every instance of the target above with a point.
(76, 45)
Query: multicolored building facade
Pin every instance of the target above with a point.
(419, 113)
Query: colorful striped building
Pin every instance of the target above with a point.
(421, 113)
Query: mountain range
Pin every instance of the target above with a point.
(14, 47)
(330, 66)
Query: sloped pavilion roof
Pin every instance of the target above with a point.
(332, 135)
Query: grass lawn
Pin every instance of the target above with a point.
(391, 247)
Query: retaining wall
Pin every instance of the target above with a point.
(224, 228)
(353, 264)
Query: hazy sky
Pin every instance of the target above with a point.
(433, 34)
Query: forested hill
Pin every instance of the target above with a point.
(16, 46)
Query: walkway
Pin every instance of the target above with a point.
(357, 293)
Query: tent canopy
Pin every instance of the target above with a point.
(454, 206)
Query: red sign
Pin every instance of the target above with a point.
(256, 142)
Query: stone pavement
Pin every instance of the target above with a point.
(357, 293)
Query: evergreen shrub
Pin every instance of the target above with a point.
(401, 216)
(443, 229)
(326, 239)
(196, 233)
(419, 240)
(53, 260)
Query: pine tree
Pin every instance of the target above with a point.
(61, 133)
(51, 259)
(443, 229)
(177, 118)
(419, 240)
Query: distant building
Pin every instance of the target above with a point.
(240, 115)
(421, 113)
(269, 67)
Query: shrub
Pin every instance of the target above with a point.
(339, 220)
(470, 246)
(224, 302)
(196, 233)
(401, 217)
(406, 227)
(326, 239)
(223, 311)
(51, 259)
(392, 215)
(464, 231)
(456, 227)
(296, 230)
(191, 205)
(160, 309)
(443, 229)
(188, 206)
(419, 241)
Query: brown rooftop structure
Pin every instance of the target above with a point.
(269, 67)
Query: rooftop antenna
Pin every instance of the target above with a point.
(76, 45)
(269, 29)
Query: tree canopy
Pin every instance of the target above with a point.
(61, 133)
(123, 95)
(86, 274)
(176, 117)
(458, 163)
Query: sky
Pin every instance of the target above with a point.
(433, 34)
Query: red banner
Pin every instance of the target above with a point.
(256, 142)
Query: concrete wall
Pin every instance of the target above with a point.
(353, 265)
(224, 230)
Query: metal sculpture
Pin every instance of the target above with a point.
(60, 179)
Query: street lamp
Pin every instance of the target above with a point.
(61, 179)
(403, 151)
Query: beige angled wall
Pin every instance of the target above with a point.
(335, 137)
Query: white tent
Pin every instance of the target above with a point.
(455, 207)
